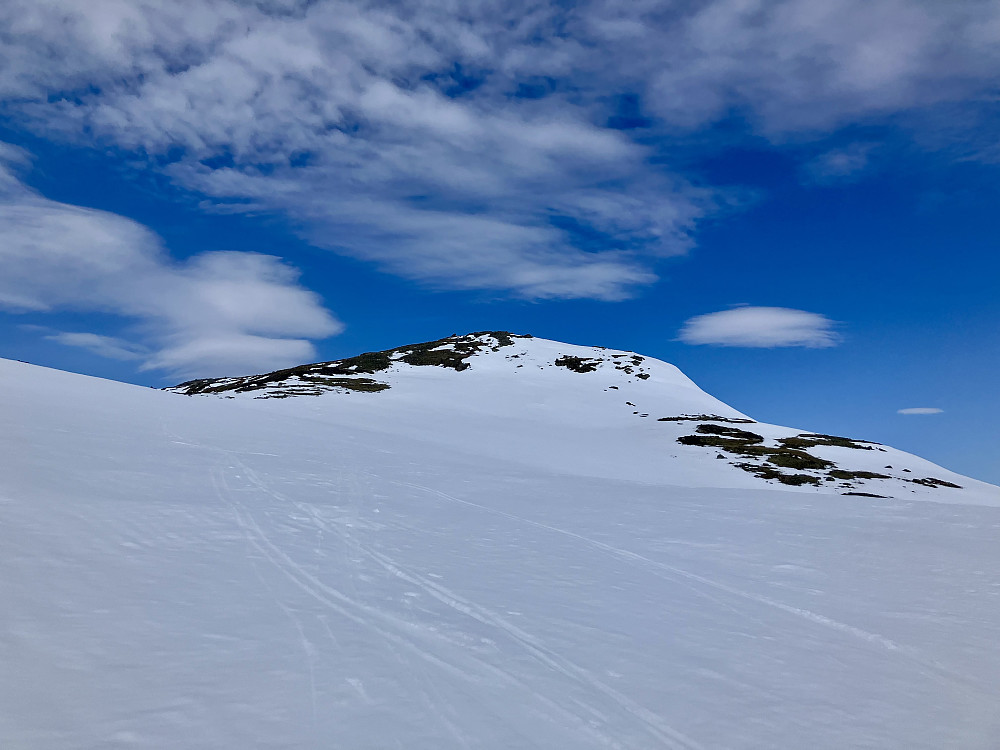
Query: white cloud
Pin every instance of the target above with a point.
(334, 114)
(921, 410)
(216, 313)
(840, 164)
(805, 65)
(386, 130)
(110, 347)
(228, 352)
(760, 327)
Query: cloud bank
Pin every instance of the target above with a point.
(216, 313)
(477, 145)
(760, 327)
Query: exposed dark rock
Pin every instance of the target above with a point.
(809, 440)
(577, 364)
(792, 459)
(766, 472)
(932, 482)
(706, 418)
(713, 429)
(841, 474)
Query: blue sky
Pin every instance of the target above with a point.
(793, 201)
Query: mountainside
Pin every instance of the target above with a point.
(489, 541)
(540, 390)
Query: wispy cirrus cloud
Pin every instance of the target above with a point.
(110, 347)
(921, 410)
(761, 327)
(840, 164)
(216, 313)
(468, 146)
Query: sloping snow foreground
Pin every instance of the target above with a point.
(494, 558)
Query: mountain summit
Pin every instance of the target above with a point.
(606, 412)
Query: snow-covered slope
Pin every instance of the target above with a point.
(583, 410)
(486, 557)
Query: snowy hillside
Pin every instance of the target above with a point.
(584, 410)
(516, 544)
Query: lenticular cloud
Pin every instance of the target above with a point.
(760, 327)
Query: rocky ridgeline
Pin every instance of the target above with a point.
(353, 373)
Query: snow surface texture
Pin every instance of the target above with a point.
(497, 557)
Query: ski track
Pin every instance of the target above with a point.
(653, 723)
(384, 624)
(938, 670)
(533, 646)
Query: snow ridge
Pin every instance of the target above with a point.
(510, 369)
